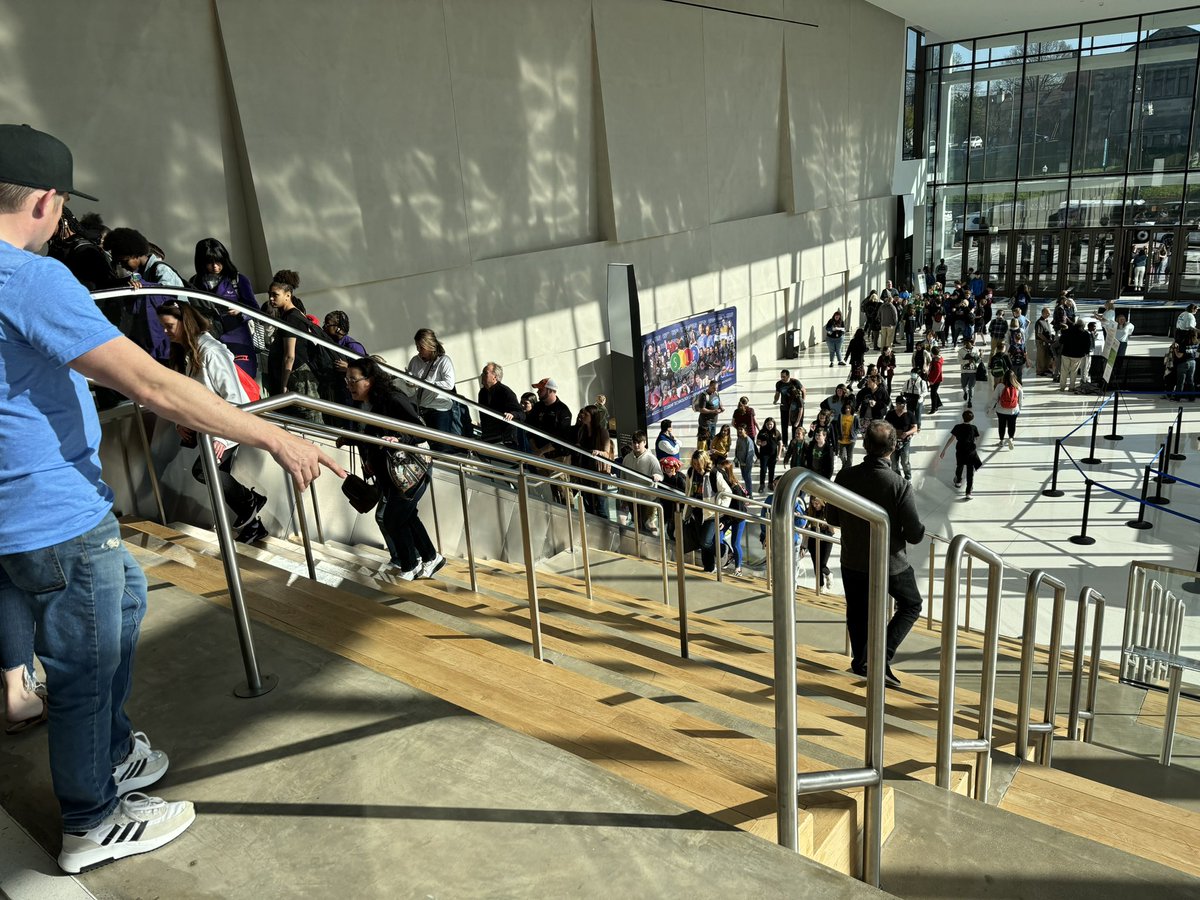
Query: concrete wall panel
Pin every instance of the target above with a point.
(743, 74)
(651, 61)
(523, 89)
(349, 126)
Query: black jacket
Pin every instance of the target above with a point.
(394, 405)
(874, 480)
(1076, 343)
(500, 400)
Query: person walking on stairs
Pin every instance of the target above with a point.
(874, 480)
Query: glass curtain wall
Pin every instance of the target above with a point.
(1059, 156)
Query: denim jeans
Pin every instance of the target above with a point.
(87, 598)
(16, 638)
(403, 531)
(902, 587)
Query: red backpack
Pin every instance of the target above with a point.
(1009, 397)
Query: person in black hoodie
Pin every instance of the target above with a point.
(412, 552)
(88, 262)
(217, 275)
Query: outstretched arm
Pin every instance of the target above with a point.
(123, 366)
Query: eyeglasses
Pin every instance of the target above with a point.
(355, 380)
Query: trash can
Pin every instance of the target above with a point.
(791, 343)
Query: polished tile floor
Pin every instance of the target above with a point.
(1008, 512)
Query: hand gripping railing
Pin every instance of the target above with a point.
(1045, 728)
(1088, 714)
(788, 784)
(947, 744)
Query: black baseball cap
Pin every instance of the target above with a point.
(32, 158)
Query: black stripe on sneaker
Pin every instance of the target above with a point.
(111, 834)
(137, 768)
(137, 835)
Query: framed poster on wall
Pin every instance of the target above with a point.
(680, 359)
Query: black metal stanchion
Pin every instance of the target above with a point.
(1140, 522)
(1113, 436)
(1167, 477)
(1053, 490)
(1193, 587)
(1175, 454)
(1082, 537)
(1159, 498)
(1092, 459)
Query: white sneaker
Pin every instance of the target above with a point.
(141, 768)
(431, 568)
(1010, 443)
(139, 824)
(391, 572)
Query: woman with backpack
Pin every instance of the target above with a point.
(935, 378)
(705, 483)
(970, 359)
(733, 528)
(200, 356)
(857, 354)
(217, 275)
(288, 369)
(1007, 407)
(409, 546)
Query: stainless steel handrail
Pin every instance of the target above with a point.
(1045, 728)
(934, 539)
(409, 380)
(788, 784)
(947, 744)
(1134, 604)
(1088, 713)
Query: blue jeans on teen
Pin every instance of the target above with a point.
(16, 639)
(902, 587)
(403, 531)
(1185, 375)
(87, 598)
(440, 420)
(708, 536)
(733, 532)
(835, 349)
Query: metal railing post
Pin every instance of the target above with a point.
(1088, 715)
(929, 593)
(583, 547)
(535, 616)
(947, 744)
(1175, 453)
(1092, 459)
(662, 549)
(789, 784)
(462, 491)
(297, 500)
(155, 487)
(1083, 538)
(681, 582)
(317, 515)
(970, 578)
(431, 493)
(257, 683)
(1140, 522)
(1045, 728)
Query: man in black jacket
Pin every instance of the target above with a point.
(1076, 347)
(874, 480)
(500, 399)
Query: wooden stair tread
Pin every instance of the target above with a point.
(841, 730)
(731, 756)
(1139, 825)
(1154, 712)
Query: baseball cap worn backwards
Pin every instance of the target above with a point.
(32, 158)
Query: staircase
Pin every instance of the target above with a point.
(698, 731)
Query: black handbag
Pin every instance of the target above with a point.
(362, 495)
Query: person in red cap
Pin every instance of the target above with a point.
(69, 588)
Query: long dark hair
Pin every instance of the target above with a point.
(382, 383)
(212, 250)
(599, 435)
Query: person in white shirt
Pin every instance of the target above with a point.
(433, 366)
(1186, 320)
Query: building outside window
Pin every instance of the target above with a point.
(1058, 156)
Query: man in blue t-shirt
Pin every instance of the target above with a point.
(68, 587)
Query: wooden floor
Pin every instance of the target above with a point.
(487, 668)
(1154, 713)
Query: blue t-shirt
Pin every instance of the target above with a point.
(50, 482)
